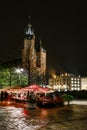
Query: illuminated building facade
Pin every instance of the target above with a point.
(84, 83)
(60, 82)
(33, 56)
(65, 82)
(75, 82)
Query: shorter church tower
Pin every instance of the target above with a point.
(33, 57)
(41, 57)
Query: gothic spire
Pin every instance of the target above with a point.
(29, 32)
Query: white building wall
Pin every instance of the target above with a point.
(84, 83)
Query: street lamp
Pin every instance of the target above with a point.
(19, 71)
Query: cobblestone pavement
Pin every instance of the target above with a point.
(12, 118)
(73, 117)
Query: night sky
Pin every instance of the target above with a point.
(62, 28)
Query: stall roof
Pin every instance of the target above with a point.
(35, 88)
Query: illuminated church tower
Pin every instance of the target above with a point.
(33, 56)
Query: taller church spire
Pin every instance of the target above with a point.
(33, 56)
(29, 32)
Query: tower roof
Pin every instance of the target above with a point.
(29, 32)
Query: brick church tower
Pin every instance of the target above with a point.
(33, 57)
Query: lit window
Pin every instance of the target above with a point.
(71, 81)
(65, 90)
